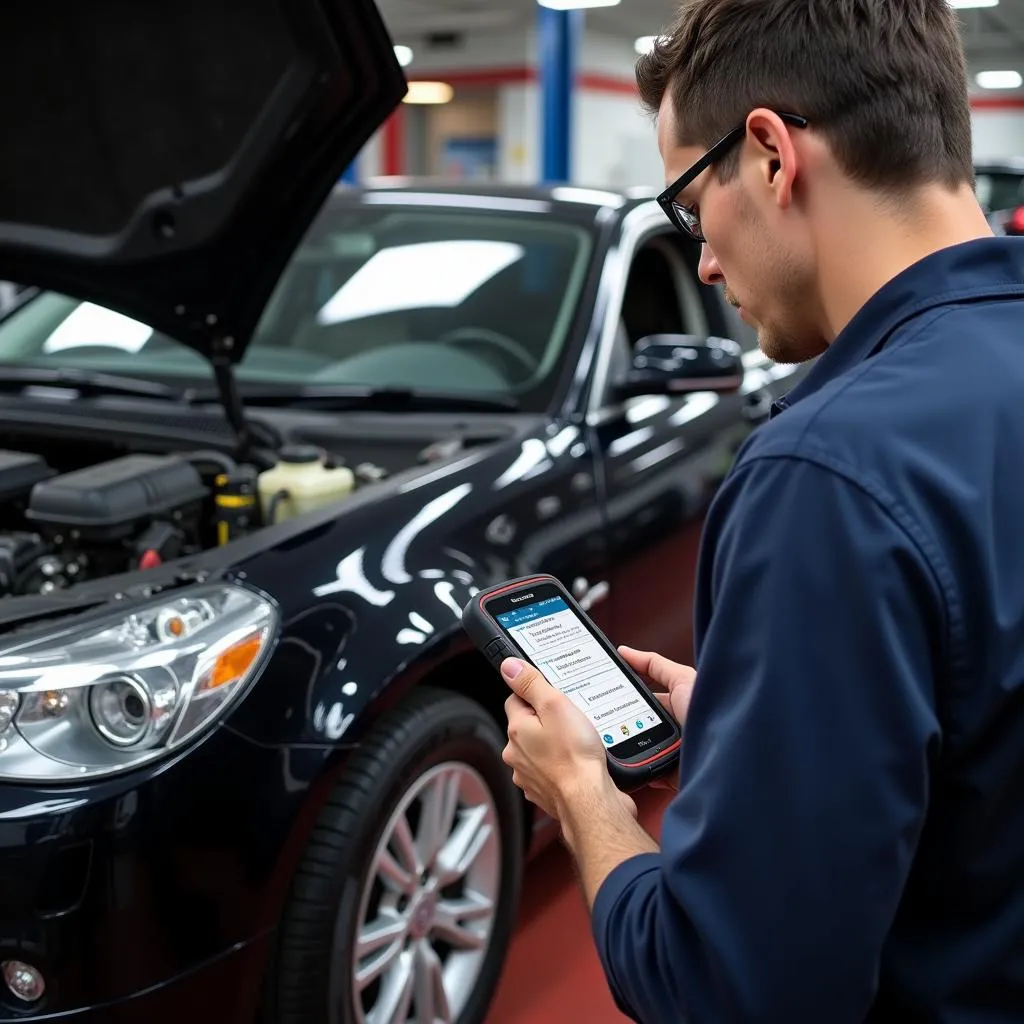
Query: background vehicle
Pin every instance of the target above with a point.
(1000, 190)
(255, 767)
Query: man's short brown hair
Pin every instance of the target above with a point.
(884, 81)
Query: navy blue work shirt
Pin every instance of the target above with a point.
(847, 844)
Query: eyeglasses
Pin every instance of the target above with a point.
(685, 219)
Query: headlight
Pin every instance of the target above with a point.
(112, 695)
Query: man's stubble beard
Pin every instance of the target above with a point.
(789, 280)
(783, 348)
(779, 345)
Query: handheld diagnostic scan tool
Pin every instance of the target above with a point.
(535, 618)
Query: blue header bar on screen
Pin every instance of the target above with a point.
(529, 612)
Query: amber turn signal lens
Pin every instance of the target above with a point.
(232, 663)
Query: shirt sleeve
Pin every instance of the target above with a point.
(805, 766)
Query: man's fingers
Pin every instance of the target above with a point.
(515, 705)
(658, 668)
(527, 683)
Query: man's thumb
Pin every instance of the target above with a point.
(526, 682)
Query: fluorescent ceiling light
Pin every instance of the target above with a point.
(404, 55)
(575, 5)
(962, 5)
(999, 79)
(423, 275)
(644, 44)
(429, 92)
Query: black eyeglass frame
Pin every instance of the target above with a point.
(667, 198)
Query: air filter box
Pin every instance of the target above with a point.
(115, 499)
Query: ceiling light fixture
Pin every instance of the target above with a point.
(404, 55)
(429, 92)
(645, 44)
(999, 79)
(963, 5)
(575, 5)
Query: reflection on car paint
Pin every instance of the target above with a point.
(351, 579)
(392, 563)
(532, 460)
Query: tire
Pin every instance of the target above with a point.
(436, 743)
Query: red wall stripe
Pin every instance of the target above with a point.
(997, 103)
(468, 79)
(606, 83)
(521, 75)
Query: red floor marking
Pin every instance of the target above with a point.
(552, 974)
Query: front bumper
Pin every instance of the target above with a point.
(223, 991)
(132, 893)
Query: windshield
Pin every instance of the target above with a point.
(997, 190)
(460, 301)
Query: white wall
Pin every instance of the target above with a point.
(519, 118)
(614, 144)
(613, 141)
(607, 55)
(998, 134)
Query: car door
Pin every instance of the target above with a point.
(660, 457)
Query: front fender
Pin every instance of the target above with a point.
(340, 663)
(371, 601)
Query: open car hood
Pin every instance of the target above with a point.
(164, 158)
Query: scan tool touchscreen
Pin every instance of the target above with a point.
(572, 659)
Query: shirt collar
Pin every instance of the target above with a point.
(983, 268)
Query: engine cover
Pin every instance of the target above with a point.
(113, 499)
(19, 473)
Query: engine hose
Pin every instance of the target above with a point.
(275, 500)
(224, 462)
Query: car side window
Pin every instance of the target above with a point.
(662, 296)
(715, 317)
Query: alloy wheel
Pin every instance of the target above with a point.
(428, 905)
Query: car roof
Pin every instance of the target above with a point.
(565, 200)
(1007, 165)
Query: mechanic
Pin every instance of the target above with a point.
(847, 839)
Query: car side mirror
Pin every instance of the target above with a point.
(665, 364)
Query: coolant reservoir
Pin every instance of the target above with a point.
(300, 482)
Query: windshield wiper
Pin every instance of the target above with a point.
(86, 382)
(334, 398)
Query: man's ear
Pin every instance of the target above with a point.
(774, 152)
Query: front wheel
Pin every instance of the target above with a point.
(404, 904)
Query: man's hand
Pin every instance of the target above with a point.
(554, 751)
(671, 683)
(558, 760)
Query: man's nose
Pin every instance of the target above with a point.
(708, 269)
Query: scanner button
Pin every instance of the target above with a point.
(498, 651)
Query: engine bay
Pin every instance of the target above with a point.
(62, 523)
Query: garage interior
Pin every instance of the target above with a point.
(519, 132)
